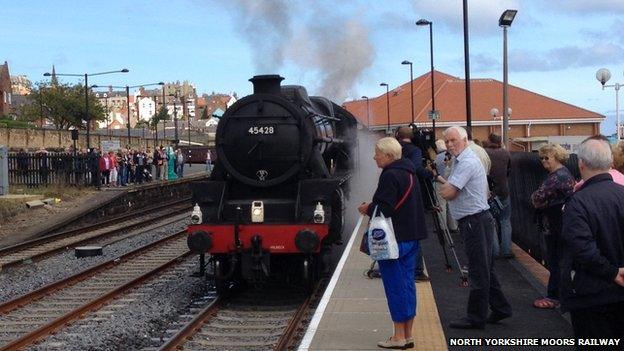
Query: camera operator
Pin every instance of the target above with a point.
(467, 190)
(413, 153)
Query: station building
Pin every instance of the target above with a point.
(534, 121)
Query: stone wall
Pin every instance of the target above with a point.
(32, 139)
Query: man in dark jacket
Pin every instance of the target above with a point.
(592, 268)
(499, 175)
(414, 154)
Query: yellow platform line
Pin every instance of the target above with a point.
(427, 330)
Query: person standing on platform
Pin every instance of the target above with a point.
(397, 200)
(549, 199)
(171, 175)
(157, 159)
(414, 154)
(592, 236)
(208, 162)
(467, 191)
(499, 174)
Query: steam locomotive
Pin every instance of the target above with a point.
(274, 203)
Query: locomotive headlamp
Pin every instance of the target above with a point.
(319, 213)
(257, 212)
(196, 215)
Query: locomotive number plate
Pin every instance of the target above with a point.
(266, 130)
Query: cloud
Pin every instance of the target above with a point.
(484, 63)
(483, 15)
(585, 6)
(566, 57)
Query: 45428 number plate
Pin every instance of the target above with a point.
(264, 130)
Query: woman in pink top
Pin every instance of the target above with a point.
(618, 163)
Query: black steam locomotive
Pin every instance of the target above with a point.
(275, 201)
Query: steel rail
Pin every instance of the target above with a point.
(74, 314)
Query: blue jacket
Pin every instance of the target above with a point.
(414, 154)
(409, 219)
(593, 244)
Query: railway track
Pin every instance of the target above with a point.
(256, 320)
(113, 230)
(35, 315)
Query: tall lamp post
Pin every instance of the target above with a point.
(175, 117)
(128, 98)
(367, 112)
(86, 87)
(387, 104)
(505, 21)
(603, 75)
(411, 85)
(424, 22)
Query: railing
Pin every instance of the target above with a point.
(43, 169)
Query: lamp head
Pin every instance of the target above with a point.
(95, 86)
(494, 112)
(383, 84)
(507, 17)
(125, 70)
(423, 22)
(603, 75)
(364, 97)
(47, 74)
(161, 83)
(406, 62)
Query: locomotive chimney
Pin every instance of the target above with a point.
(267, 84)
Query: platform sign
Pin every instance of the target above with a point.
(434, 114)
(110, 145)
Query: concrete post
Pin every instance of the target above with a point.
(4, 170)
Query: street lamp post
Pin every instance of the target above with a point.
(387, 104)
(86, 87)
(505, 21)
(411, 85)
(367, 112)
(603, 75)
(128, 98)
(424, 22)
(175, 118)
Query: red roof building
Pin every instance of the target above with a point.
(534, 117)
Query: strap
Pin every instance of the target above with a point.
(409, 189)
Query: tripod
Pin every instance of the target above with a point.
(444, 235)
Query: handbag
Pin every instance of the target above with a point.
(364, 243)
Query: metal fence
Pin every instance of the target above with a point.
(52, 168)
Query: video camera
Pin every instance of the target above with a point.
(424, 139)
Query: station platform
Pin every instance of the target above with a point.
(353, 314)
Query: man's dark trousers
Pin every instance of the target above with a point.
(478, 231)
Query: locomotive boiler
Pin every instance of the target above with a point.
(274, 203)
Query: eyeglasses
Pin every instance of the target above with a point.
(544, 158)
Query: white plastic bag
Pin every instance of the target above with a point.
(382, 243)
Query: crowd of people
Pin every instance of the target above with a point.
(136, 166)
(582, 222)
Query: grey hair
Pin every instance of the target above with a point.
(389, 146)
(460, 130)
(596, 155)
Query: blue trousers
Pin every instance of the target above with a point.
(398, 281)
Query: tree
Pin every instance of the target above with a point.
(62, 104)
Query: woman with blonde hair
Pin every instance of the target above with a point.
(398, 197)
(549, 198)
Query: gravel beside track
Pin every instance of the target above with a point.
(20, 280)
(137, 319)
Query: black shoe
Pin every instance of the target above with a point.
(508, 256)
(496, 317)
(422, 278)
(466, 324)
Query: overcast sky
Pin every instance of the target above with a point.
(341, 49)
